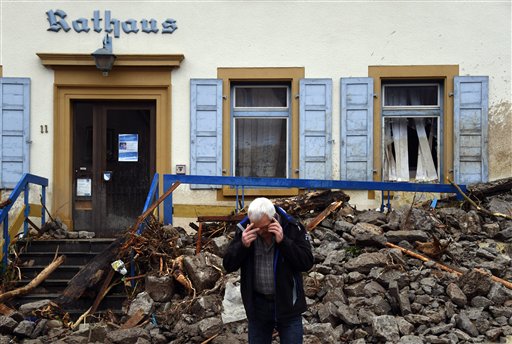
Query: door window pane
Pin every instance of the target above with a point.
(261, 97)
(411, 95)
(260, 147)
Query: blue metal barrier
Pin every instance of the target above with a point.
(313, 184)
(22, 186)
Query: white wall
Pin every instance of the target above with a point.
(329, 39)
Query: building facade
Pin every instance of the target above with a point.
(372, 90)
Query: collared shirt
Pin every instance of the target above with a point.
(264, 266)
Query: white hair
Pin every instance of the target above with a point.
(259, 207)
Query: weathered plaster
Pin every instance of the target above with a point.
(500, 140)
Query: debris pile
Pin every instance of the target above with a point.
(416, 274)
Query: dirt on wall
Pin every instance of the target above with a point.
(500, 140)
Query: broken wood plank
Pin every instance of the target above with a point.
(401, 149)
(320, 217)
(47, 271)
(425, 160)
(102, 293)
(220, 218)
(134, 320)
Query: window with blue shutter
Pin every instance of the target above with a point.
(470, 129)
(315, 129)
(205, 129)
(14, 130)
(356, 129)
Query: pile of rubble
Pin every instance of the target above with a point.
(365, 287)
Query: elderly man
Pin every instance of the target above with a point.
(272, 249)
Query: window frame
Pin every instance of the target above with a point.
(388, 112)
(267, 75)
(446, 73)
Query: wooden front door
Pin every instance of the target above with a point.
(113, 163)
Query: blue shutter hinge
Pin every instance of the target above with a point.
(331, 141)
(28, 141)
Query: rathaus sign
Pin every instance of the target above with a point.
(57, 21)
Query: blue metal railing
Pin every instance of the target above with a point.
(22, 186)
(152, 195)
(312, 184)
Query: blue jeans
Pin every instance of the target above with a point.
(261, 327)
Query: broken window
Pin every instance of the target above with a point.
(411, 147)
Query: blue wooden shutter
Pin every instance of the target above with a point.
(14, 130)
(315, 129)
(356, 129)
(470, 129)
(205, 129)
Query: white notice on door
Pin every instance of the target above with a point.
(128, 147)
(83, 187)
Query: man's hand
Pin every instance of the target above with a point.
(276, 229)
(249, 235)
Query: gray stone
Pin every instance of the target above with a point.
(72, 235)
(373, 288)
(405, 327)
(409, 236)
(39, 329)
(379, 305)
(342, 226)
(423, 300)
(481, 301)
(368, 234)
(24, 328)
(356, 289)
(86, 235)
(142, 341)
(348, 315)
(96, 332)
(7, 324)
(483, 253)
(498, 294)
(505, 234)
(491, 229)
(74, 339)
(473, 283)
(462, 321)
(209, 326)
(365, 262)
(206, 306)
(5, 339)
(497, 205)
(494, 334)
(324, 332)
(373, 217)
(127, 336)
(456, 295)
(355, 276)
(440, 329)
(385, 326)
(417, 319)
(219, 245)
(501, 311)
(28, 308)
(200, 270)
(54, 324)
(328, 313)
(410, 339)
(142, 301)
(470, 223)
(160, 289)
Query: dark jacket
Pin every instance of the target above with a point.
(292, 256)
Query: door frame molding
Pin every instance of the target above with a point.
(87, 83)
